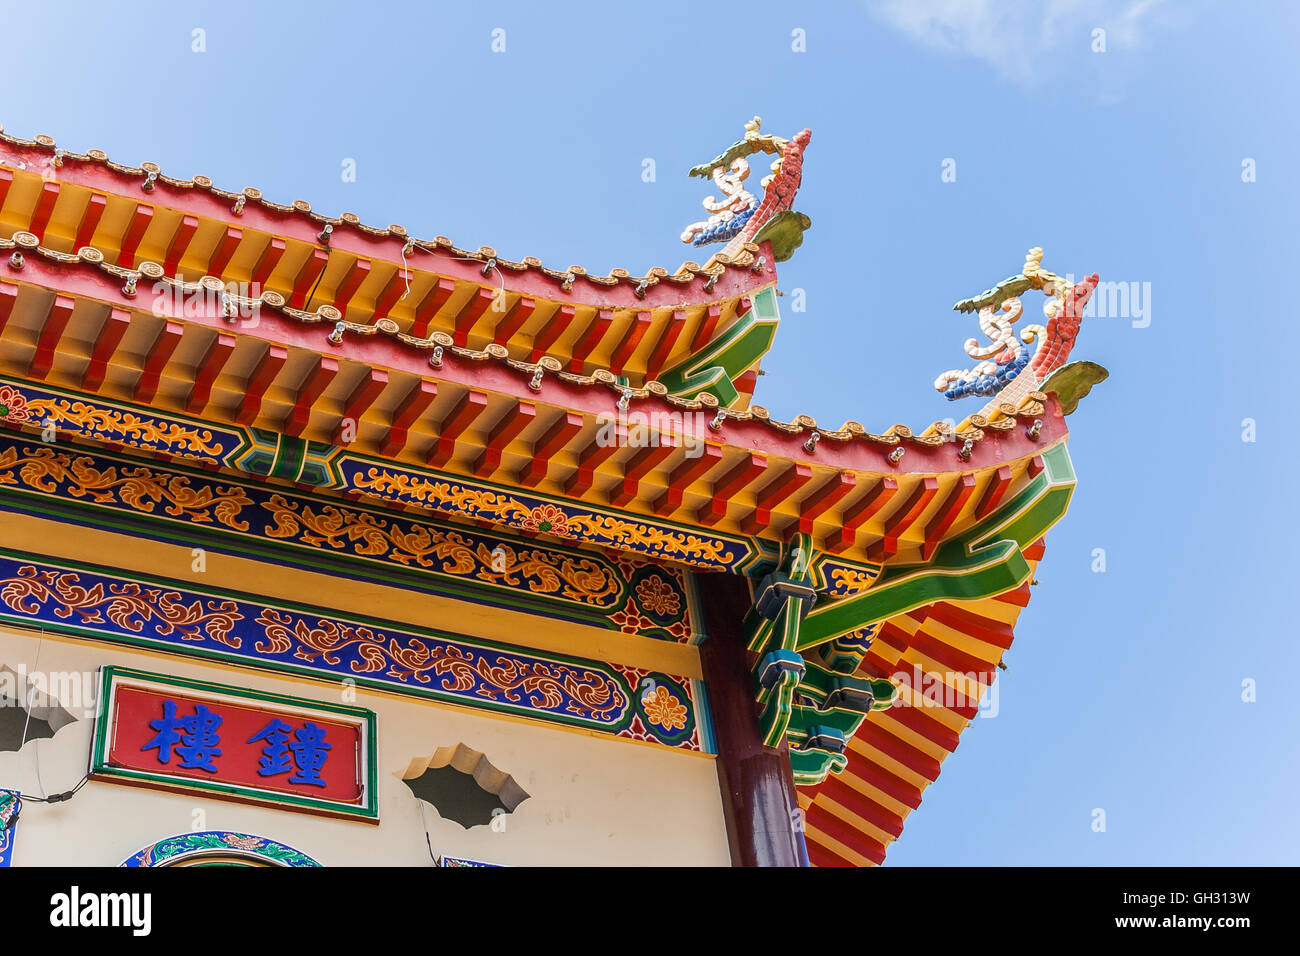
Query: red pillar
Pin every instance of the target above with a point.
(758, 795)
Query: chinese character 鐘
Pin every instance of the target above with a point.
(275, 755)
(309, 751)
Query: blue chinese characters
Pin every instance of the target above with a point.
(194, 737)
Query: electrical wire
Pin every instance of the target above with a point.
(27, 707)
(501, 289)
(307, 305)
(423, 823)
(45, 797)
(55, 797)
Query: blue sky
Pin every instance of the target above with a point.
(1124, 689)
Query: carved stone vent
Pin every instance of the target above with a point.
(463, 786)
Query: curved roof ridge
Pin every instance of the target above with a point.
(742, 256)
(973, 428)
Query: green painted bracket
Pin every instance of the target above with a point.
(810, 767)
(1072, 382)
(844, 653)
(776, 700)
(829, 690)
(775, 637)
(713, 368)
(984, 561)
(794, 574)
(811, 706)
(785, 232)
(818, 745)
(831, 708)
(806, 721)
(760, 630)
(276, 455)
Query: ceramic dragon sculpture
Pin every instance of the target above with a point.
(1005, 368)
(739, 217)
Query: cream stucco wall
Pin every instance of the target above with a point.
(592, 800)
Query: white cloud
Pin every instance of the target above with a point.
(1016, 37)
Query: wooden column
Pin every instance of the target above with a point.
(758, 795)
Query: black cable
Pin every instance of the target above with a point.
(307, 305)
(420, 803)
(54, 797)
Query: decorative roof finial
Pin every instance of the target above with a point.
(1006, 369)
(739, 217)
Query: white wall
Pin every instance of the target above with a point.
(593, 800)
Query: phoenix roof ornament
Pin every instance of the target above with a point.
(739, 217)
(1005, 368)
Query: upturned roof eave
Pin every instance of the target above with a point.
(755, 476)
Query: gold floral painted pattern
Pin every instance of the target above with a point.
(845, 581)
(609, 530)
(56, 473)
(534, 682)
(105, 422)
(630, 620)
(126, 604)
(586, 580)
(171, 616)
(13, 405)
(663, 709)
(574, 578)
(657, 596)
(547, 519)
(691, 548)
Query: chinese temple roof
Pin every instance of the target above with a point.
(363, 363)
(751, 476)
(380, 279)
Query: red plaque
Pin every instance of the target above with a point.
(189, 735)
